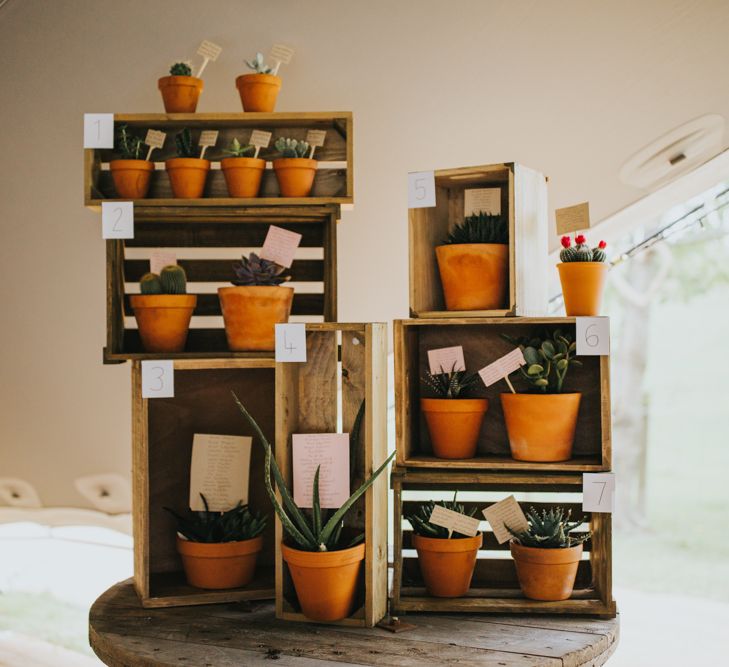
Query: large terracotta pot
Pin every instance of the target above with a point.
(295, 175)
(546, 574)
(541, 427)
(454, 425)
(325, 581)
(447, 564)
(163, 320)
(131, 177)
(582, 287)
(219, 565)
(250, 314)
(180, 93)
(475, 276)
(243, 175)
(187, 176)
(258, 92)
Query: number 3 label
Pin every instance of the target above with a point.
(592, 335)
(117, 220)
(598, 492)
(158, 379)
(421, 189)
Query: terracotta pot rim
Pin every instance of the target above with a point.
(522, 395)
(187, 163)
(219, 549)
(247, 288)
(455, 405)
(590, 264)
(163, 300)
(323, 559)
(546, 556)
(123, 163)
(294, 163)
(238, 162)
(179, 80)
(260, 78)
(445, 545)
(473, 245)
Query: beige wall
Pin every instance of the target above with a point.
(571, 88)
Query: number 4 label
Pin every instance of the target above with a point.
(291, 342)
(598, 492)
(117, 220)
(592, 335)
(158, 379)
(421, 189)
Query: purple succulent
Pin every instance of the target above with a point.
(256, 271)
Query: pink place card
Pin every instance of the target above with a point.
(280, 246)
(502, 367)
(158, 259)
(331, 452)
(446, 359)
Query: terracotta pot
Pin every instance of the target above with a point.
(475, 276)
(541, 427)
(546, 574)
(163, 320)
(131, 177)
(447, 564)
(243, 175)
(454, 425)
(325, 581)
(251, 313)
(187, 176)
(295, 175)
(219, 565)
(582, 287)
(180, 93)
(258, 92)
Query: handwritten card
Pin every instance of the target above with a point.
(486, 200)
(331, 452)
(280, 246)
(502, 367)
(158, 259)
(155, 138)
(573, 218)
(446, 359)
(260, 139)
(505, 513)
(290, 339)
(454, 522)
(208, 50)
(282, 53)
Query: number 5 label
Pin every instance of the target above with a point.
(592, 335)
(421, 189)
(158, 379)
(598, 492)
(117, 220)
(291, 342)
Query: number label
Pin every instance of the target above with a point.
(291, 342)
(117, 220)
(592, 335)
(158, 379)
(598, 492)
(98, 130)
(421, 189)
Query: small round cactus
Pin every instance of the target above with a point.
(599, 254)
(581, 252)
(568, 253)
(173, 280)
(180, 69)
(150, 284)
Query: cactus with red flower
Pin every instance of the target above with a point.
(581, 251)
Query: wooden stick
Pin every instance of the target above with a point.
(311, 155)
(202, 152)
(275, 69)
(258, 148)
(149, 152)
(506, 377)
(202, 67)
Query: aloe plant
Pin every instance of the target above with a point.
(449, 384)
(237, 149)
(310, 533)
(257, 65)
(549, 530)
(420, 520)
(481, 228)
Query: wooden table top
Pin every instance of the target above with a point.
(123, 633)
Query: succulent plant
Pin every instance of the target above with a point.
(237, 149)
(548, 358)
(581, 252)
(181, 69)
(150, 283)
(481, 228)
(253, 270)
(420, 520)
(235, 525)
(449, 384)
(171, 280)
(549, 530)
(292, 147)
(127, 145)
(257, 65)
(183, 141)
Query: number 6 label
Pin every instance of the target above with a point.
(158, 379)
(117, 220)
(598, 492)
(592, 335)
(421, 189)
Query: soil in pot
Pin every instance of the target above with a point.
(187, 176)
(131, 177)
(583, 284)
(258, 92)
(454, 425)
(295, 175)
(475, 276)
(447, 564)
(546, 574)
(243, 175)
(221, 565)
(541, 427)
(163, 320)
(325, 581)
(251, 313)
(180, 93)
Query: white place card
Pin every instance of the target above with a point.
(598, 492)
(280, 246)
(208, 50)
(421, 189)
(98, 130)
(592, 335)
(446, 359)
(282, 53)
(260, 139)
(486, 200)
(208, 138)
(158, 259)
(290, 338)
(316, 137)
(155, 138)
(505, 513)
(117, 220)
(572, 218)
(158, 379)
(454, 522)
(502, 367)
(330, 452)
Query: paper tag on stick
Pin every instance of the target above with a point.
(502, 367)
(505, 513)
(330, 451)
(260, 138)
(208, 50)
(282, 53)
(208, 138)
(446, 359)
(155, 138)
(486, 200)
(161, 258)
(572, 218)
(454, 522)
(280, 246)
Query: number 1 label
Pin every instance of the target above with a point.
(421, 189)
(98, 130)
(117, 220)
(592, 335)
(158, 379)
(291, 342)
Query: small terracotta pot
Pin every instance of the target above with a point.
(219, 565)
(541, 427)
(250, 314)
(163, 320)
(243, 175)
(475, 276)
(447, 564)
(582, 287)
(546, 574)
(131, 177)
(295, 175)
(180, 93)
(258, 92)
(454, 425)
(325, 581)
(187, 176)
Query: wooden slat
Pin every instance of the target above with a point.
(489, 541)
(411, 506)
(219, 270)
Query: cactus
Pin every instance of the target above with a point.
(150, 284)
(180, 69)
(449, 384)
(581, 252)
(291, 147)
(568, 252)
(253, 270)
(183, 141)
(127, 145)
(481, 228)
(173, 279)
(549, 530)
(420, 520)
(258, 66)
(599, 254)
(238, 150)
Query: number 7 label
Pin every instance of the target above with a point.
(598, 492)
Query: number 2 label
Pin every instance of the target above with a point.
(421, 189)
(592, 335)
(117, 220)
(158, 379)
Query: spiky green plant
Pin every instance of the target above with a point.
(481, 228)
(548, 358)
(180, 69)
(550, 530)
(420, 520)
(310, 533)
(253, 270)
(292, 147)
(173, 279)
(150, 283)
(449, 384)
(237, 149)
(581, 251)
(183, 142)
(235, 525)
(257, 65)
(129, 146)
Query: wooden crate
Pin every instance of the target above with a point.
(523, 197)
(482, 343)
(206, 243)
(495, 587)
(163, 430)
(334, 182)
(308, 401)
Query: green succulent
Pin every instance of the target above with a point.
(236, 149)
(180, 69)
(183, 142)
(257, 65)
(171, 280)
(128, 146)
(420, 520)
(549, 530)
(481, 228)
(292, 147)
(449, 384)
